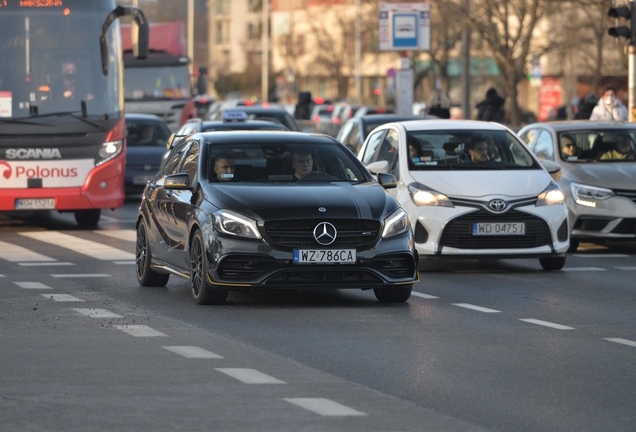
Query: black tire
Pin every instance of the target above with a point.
(146, 276)
(202, 291)
(88, 218)
(393, 294)
(555, 263)
(574, 245)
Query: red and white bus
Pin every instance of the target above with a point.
(62, 130)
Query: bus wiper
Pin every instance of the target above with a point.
(24, 121)
(73, 114)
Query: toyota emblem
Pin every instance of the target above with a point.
(325, 233)
(497, 205)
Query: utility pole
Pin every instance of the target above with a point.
(465, 78)
(265, 53)
(191, 35)
(358, 52)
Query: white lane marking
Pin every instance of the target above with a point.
(1, 275)
(477, 308)
(546, 323)
(622, 341)
(140, 331)
(128, 235)
(15, 253)
(577, 269)
(424, 296)
(62, 297)
(192, 352)
(38, 264)
(626, 268)
(112, 219)
(79, 245)
(32, 285)
(324, 407)
(97, 313)
(250, 376)
(80, 275)
(125, 262)
(601, 255)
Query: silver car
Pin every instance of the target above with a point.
(598, 175)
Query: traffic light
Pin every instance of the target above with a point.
(624, 13)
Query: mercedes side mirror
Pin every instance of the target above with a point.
(387, 181)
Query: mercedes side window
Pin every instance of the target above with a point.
(172, 166)
(372, 145)
(191, 161)
(354, 141)
(544, 149)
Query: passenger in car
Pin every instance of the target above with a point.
(224, 167)
(622, 149)
(303, 163)
(569, 149)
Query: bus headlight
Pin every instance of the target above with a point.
(108, 150)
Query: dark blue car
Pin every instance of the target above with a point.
(146, 138)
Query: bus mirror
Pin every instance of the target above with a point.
(140, 33)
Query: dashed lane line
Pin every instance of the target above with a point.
(125, 262)
(622, 341)
(32, 285)
(601, 255)
(250, 376)
(62, 297)
(97, 313)
(626, 268)
(192, 352)
(115, 220)
(424, 296)
(38, 264)
(546, 324)
(582, 269)
(324, 407)
(477, 308)
(85, 247)
(140, 331)
(15, 253)
(80, 275)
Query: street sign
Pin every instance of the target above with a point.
(404, 27)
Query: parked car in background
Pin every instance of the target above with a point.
(232, 120)
(471, 190)
(261, 113)
(598, 175)
(292, 211)
(368, 110)
(321, 112)
(355, 131)
(146, 138)
(331, 125)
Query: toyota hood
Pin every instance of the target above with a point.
(485, 183)
(300, 201)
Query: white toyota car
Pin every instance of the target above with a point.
(472, 190)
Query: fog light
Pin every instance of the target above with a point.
(103, 185)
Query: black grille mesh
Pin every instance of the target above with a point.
(626, 226)
(299, 233)
(458, 232)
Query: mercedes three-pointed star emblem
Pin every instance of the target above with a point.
(325, 233)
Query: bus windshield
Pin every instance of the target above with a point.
(50, 60)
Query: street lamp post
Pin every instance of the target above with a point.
(358, 54)
(265, 53)
(191, 35)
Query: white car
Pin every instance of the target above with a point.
(472, 190)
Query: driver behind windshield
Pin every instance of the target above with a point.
(477, 151)
(303, 164)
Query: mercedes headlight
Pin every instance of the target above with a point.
(231, 223)
(588, 195)
(551, 195)
(395, 224)
(424, 196)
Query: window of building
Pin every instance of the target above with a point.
(222, 7)
(222, 32)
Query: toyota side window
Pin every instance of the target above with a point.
(544, 149)
(372, 145)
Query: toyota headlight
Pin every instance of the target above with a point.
(551, 195)
(588, 195)
(424, 196)
(395, 224)
(231, 223)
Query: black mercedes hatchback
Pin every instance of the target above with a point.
(257, 210)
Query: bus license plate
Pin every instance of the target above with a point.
(324, 256)
(35, 204)
(499, 228)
